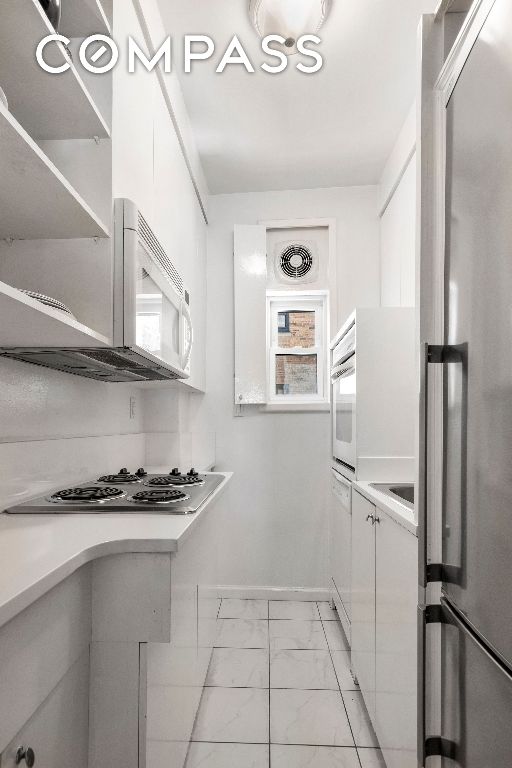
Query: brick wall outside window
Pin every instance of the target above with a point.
(301, 331)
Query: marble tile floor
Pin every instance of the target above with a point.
(279, 693)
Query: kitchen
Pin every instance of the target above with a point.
(244, 330)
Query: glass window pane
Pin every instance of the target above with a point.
(296, 328)
(296, 375)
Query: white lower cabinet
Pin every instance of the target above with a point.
(176, 671)
(384, 641)
(340, 534)
(44, 677)
(396, 642)
(363, 599)
(58, 732)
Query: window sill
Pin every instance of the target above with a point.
(295, 407)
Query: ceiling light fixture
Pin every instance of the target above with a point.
(288, 18)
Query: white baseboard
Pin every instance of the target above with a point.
(274, 593)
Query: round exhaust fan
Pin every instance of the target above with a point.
(296, 262)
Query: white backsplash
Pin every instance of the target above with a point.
(181, 449)
(32, 468)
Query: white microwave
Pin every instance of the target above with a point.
(343, 399)
(152, 333)
(151, 313)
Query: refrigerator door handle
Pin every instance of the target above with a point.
(422, 479)
(422, 677)
(431, 746)
(432, 354)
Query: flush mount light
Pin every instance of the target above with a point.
(288, 18)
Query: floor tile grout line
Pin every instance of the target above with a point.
(264, 743)
(341, 695)
(254, 618)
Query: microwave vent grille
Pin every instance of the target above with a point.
(151, 242)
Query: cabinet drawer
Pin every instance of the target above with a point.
(58, 731)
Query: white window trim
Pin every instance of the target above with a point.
(279, 301)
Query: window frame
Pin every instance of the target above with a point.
(288, 301)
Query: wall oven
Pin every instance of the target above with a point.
(343, 384)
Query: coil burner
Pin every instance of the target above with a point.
(161, 496)
(93, 494)
(177, 479)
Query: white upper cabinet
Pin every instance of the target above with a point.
(398, 243)
(132, 120)
(175, 203)
(180, 226)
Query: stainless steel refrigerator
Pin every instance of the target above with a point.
(475, 610)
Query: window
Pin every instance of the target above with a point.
(297, 348)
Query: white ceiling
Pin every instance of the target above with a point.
(260, 132)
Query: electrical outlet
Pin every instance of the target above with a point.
(133, 407)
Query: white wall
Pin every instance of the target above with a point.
(276, 534)
(397, 210)
(61, 428)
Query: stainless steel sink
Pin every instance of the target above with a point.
(401, 492)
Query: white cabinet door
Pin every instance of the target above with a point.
(340, 542)
(180, 226)
(58, 732)
(363, 598)
(175, 198)
(395, 674)
(176, 672)
(398, 243)
(132, 121)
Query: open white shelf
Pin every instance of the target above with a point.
(48, 106)
(36, 201)
(81, 18)
(26, 322)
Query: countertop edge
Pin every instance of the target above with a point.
(20, 601)
(393, 509)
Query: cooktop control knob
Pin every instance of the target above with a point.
(193, 472)
(175, 471)
(123, 471)
(141, 472)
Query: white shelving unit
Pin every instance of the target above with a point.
(36, 201)
(63, 117)
(49, 106)
(31, 324)
(81, 18)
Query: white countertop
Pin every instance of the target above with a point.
(398, 512)
(39, 551)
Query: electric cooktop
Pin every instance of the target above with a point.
(128, 493)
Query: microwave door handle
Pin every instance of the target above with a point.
(185, 346)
